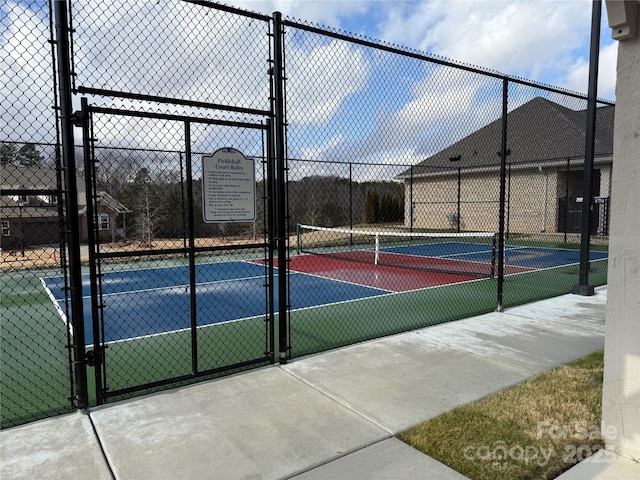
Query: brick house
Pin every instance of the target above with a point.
(546, 143)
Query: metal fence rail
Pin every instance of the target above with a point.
(115, 282)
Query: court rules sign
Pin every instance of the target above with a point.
(228, 187)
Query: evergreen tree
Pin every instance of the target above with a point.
(25, 156)
(386, 207)
(370, 207)
(8, 153)
(331, 214)
(29, 156)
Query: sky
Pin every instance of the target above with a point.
(543, 40)
(345, 102)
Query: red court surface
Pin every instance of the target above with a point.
(358, 267)
(393, 279)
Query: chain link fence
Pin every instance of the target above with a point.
(397, 126)
(382, 200)
(34, 359)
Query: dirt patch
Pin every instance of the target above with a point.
(49, 257)
(30, 258)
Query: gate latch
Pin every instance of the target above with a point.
(93, 358)
(77, 118)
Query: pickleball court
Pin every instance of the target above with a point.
(232, 291)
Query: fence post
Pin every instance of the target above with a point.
(411, 199)
(279, 126)
(269, 192)
(566, 203)
(351, 202)
(92, 240)
(508, 206)
(71, 203)
(193, 298)
(583, 287)
(459, 197)
(503, 175)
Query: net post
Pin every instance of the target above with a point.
(297, 238)
(377, 248)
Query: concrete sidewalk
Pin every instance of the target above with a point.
(332, 415)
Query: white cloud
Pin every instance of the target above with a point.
(546, 41)
(162, 49)
(577, 77)
(316, 153)
(439, 96)
(522, 37)
(167, 50)
(26, 84)
(446, 104)
(389, 164)
(409, 23)
(321, 79)
(328, 12)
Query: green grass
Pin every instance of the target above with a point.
(535, 430)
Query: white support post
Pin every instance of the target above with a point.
(621, 389)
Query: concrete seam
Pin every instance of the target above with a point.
(339, 401)
(101, 446)
(343, 455)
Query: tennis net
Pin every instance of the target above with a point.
(467, 253)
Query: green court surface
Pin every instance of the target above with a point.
(35, 368)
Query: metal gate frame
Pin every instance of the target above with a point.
(278, 240)
(97, 358)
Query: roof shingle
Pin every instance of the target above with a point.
(539, 130)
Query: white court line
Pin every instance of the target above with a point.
(56, 305)
(170, 287)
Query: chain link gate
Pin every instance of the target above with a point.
(164, 312)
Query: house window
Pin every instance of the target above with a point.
(103, 221)
(6, 232)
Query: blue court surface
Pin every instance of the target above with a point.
(144, 302)
(533, 258)
(540, 257)
(157, 300)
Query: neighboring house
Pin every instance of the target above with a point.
(108, 213)
(29, 210)
(545, 145)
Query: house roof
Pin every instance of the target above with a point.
(38, 179)
(108, 201)
(11, 209)
(27, 178)
(539, 130)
